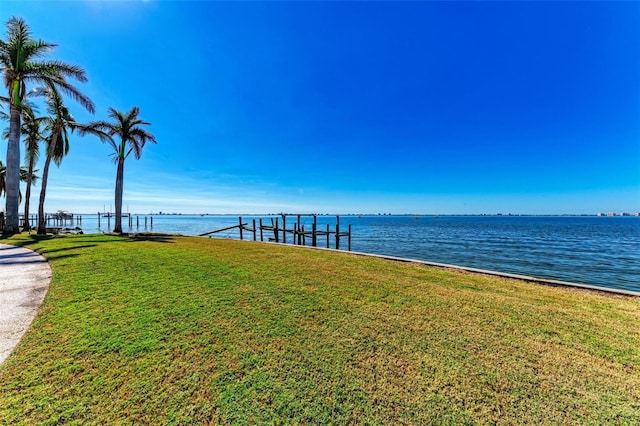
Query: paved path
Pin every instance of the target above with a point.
(24, 280)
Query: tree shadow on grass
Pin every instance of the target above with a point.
(31, 240)
(49, 251)
(157, 238)
(92, 240)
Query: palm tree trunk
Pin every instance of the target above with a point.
(42, 225)
(12, 180)
(27, 225)
(119, 185)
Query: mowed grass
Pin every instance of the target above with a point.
(179, 330)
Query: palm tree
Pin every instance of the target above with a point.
(19, 64)
(127, 126)
(31, 129)
(58, 123)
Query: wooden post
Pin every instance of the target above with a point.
(299, 236)
(254, 230)
(261, 236)
(151, 221)
(314, 237)
(328, 233)
(276, 231)
(137, 222)
(98, 220)
(240, 222)
(145, 222)
(295, 234)
(349, 235)
(284, 228)
(304, 237)
(109, 223)
(337, 232)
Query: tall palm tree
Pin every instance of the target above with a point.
(58, 123)
(31, 129)
(127, 127)
(19, 63)
(33, 133)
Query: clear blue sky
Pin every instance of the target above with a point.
(402, 107)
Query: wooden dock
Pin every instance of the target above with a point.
(275, 230)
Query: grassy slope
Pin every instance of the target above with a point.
(189, 330)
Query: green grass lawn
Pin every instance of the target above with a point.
(179, 330)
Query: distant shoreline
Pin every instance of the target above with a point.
(374, 214)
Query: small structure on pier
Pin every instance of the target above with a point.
(61, 215)
(297, 232)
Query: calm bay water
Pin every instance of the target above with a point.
(601, 251)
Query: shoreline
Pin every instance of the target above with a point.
(585, 250)
(526, 278)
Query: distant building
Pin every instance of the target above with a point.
(600, 214)
(611, 214)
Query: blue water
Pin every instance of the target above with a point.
(603, 251)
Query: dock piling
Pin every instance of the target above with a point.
(261, 236)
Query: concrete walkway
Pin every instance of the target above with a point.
(24, 280)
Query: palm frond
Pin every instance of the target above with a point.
(74, 93)
(95, 128)
(132, 137)
(32, 129)
(60, 147)
(18, 32)
(139, 137)
(37, 48)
